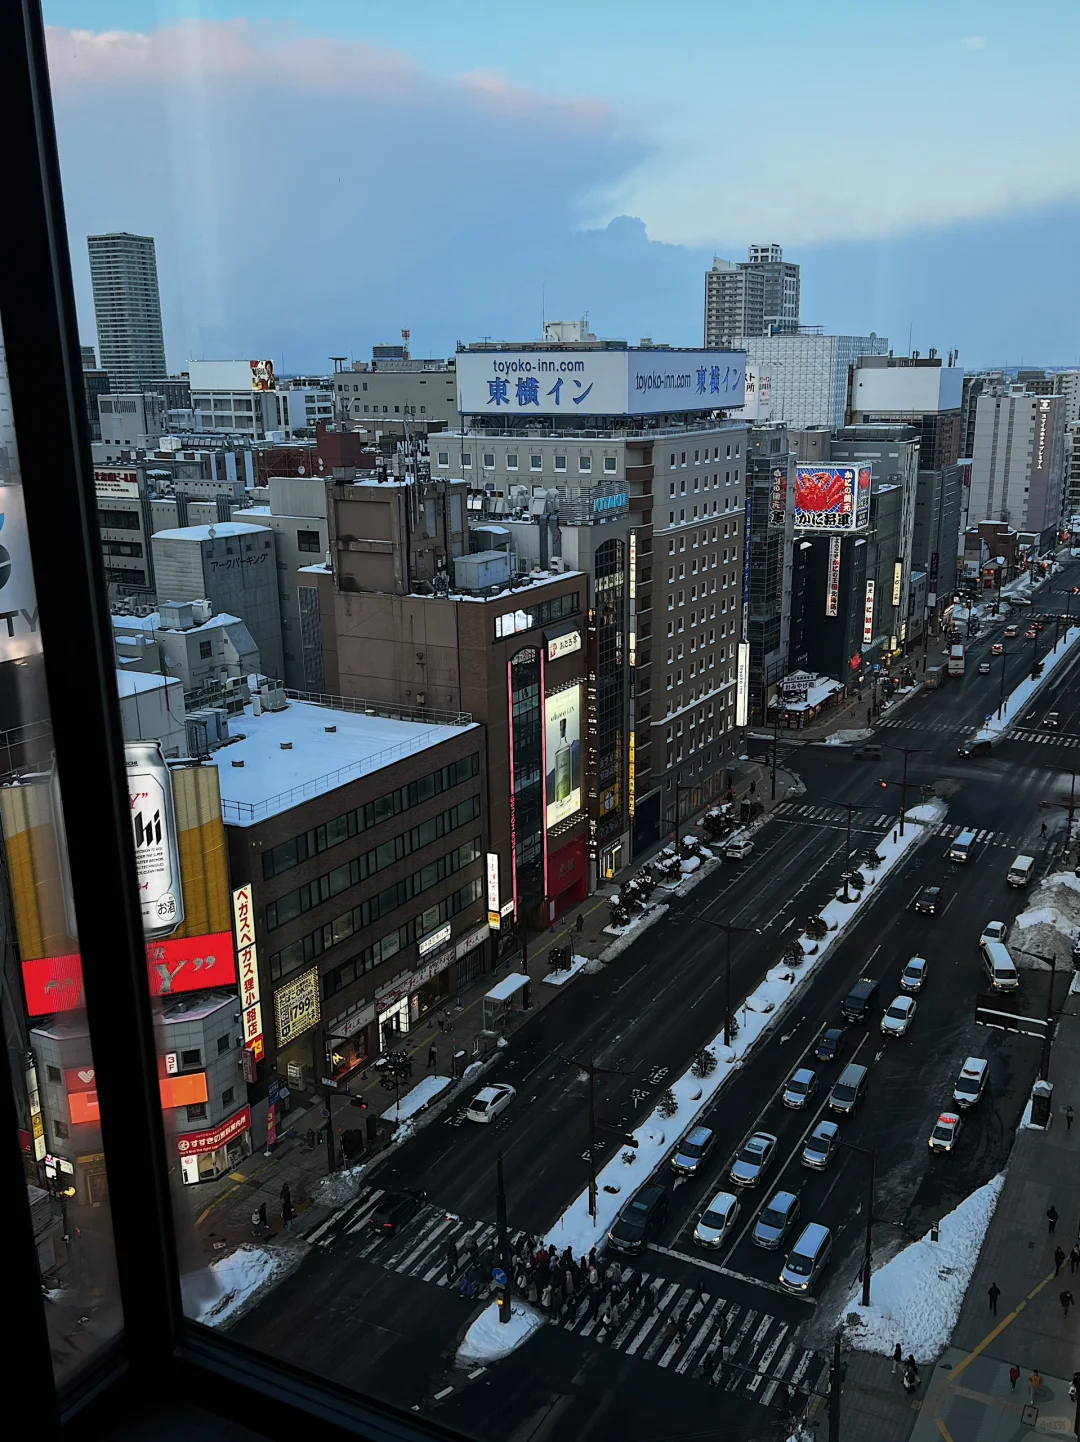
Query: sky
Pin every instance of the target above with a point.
(319, 177)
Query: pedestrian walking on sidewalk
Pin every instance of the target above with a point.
(993, 1292)
(897, 1358)
(288, 1216)
(432, 1057)
(1074, 1257)
(264, 1224)
(1059, 1257)
(1068, 1119)
(1051, 1219)
(911, 1375)
(633, 1285)
(285, 1194)
(1035, 1382)
(442, 1023)
(1014, 1376)
(1066, 1299)
(579, 924)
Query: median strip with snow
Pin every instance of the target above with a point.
(657, 1135)
(996, 726)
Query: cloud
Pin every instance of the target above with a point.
(973, 42)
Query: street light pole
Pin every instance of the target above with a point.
(849, 807)
(727, 927)
(1001, 695)
(505, 1291)
(905, 751)
(591, 1071)
(868, 1240)
(1044, 1056)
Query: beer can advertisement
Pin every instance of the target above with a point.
(832, 498)
(153, 827)
(562, 744)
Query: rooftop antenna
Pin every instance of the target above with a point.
(909, 338)
(405, 334)
(543, 312)
(339, 362)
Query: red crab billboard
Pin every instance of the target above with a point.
(832, 498)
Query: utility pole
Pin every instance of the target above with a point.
(592, 1071)
(728, 929)
(1001, 695)
(906, 751)
(506, 1290)
(835, 1388)
(1044, 1055)
(775, 742)
(849, 807)
(868, 1236)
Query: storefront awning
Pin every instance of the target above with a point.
(506, 988)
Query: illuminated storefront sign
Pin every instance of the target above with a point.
(832, 592)
(247, 966)
(742, 695)
(868, 615)
(493, 889)
(898, 572)
(296, 1007)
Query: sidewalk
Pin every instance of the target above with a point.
(221, 1211)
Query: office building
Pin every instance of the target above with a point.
(127, 308)
(128, 423)
(1071, 507)
(975, 385)
(1067, 385)
(810, 373)
(916, 390)
(89, 357)
(1018, 461)
(758, 296)
(939, 508)
(769, 489)
(396, 387)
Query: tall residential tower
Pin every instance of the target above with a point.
(127, 307)
(758, 296)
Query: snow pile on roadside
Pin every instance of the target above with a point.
(1050, 923)
(626, 935)
(339, 1188)
(237, 1278)
(417, 1098)
(488, 1339)
(849, 737)
(916, 1297)
(657, 1135)
(560, 978)
(1028, 687)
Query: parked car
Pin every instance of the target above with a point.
(640, 1219)
(717, 1220)
(828, 1044)
(994, 931)
(821, 1146)
(800, 1088)
(692, 1150)
(489, 1102)
(899, 1015)
(943, 1137)
(928, 900)
(775, 1220)
(394, 1210)
(753, 1159)
(913, 976)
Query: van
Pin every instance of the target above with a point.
(1019, 873)
(856, 1005)
(1000, 968)
(807, 1259)
(849, 1088)
(962, 847)
(969, 1084)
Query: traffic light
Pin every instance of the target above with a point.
(882, 783)
(504, 1305)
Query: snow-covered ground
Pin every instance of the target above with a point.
(657, 1135)
(338, 1188)
(626, 935)
(915, 1298)
(417, 1098)
(235, 1279)
(849, 736)
(560, 978)
(1049, 924)
(488, 1339)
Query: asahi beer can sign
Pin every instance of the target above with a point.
(153, 827)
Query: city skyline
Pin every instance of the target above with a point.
(411, 232)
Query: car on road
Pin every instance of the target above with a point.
(639, 1219)
(775, 1220)
(997, 649)
(807, 1259)
(943, 1137)
(1037, 625)
(394, 1210)
(1051, 721)
(1030, 633)
(984, 668)
(1010, 632)
(928, 900)
(692, 1151)
(968, 1087)
(800, 1088)
(738, 848)
(899, 1015)
(977, 746)
(828, 1043)
(869, 752)
(821, 1146)
(993, 931)
(489, 1102)
(753, 1159)
(913, 976)
(717, 1220)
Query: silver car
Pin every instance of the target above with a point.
(913, 976)
(821, 1146)
(800, 1088)
(753, 1159)
(899, 1015)
(775, 1220)
(692, 1151)
(717, 1220)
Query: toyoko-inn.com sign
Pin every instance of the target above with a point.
(601, 382)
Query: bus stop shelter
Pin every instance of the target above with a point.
(504, 1000)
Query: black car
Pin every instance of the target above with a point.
(829, 1043)
(981, 747)
(640, 1219)
(928, 900)
(394, 1210)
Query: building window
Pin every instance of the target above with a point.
(206, 650)
(536, 463)
(611, 464)
(223, 1044)
(444, 458)
(511, 462)
(466, 460)
(584, 464)
(191, 1058)
(228, 1096)
(489, 460)
(197, 1112)
(54, 1074)
(308, 541)
(560, 463)
(60, 1128)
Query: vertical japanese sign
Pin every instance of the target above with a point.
(778, 492)
(632, 779)
(832, 590)
(746, 566)
(742, 694)
(898, 572)
(513, 797)
(494, 918)
(868, 615)
(633, 598)
(247, 964)
(37, 1119)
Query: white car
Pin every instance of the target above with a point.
(913, 976)
(717, 1220)
(489, 1102)
(993, 931)
(943, 1137)
(738, 848)
(899, 1015)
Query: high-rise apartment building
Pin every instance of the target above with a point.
(1018, 460)
(759, 296)
(127, 307)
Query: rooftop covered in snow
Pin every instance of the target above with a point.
(218, 531)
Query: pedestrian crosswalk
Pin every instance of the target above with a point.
(826, 815)
(982, 838)
(686, 1330)
(912, 723)
(1044, 738)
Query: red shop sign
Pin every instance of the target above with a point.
(189, 963)
(566, 866)
(196, 1143)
